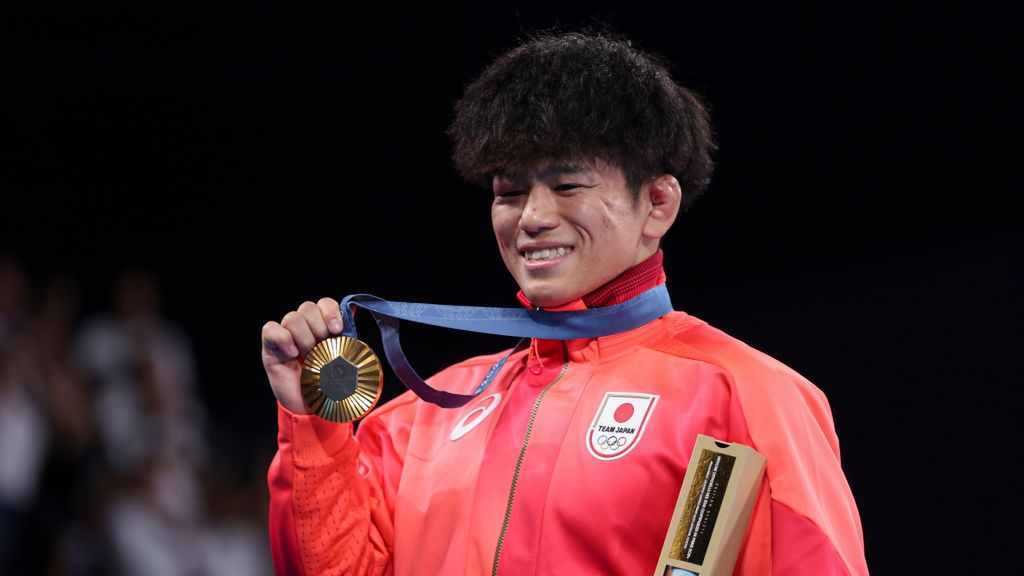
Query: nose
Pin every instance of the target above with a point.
(540, 212)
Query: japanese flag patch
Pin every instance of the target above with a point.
(619, 423)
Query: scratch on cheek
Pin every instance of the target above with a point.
(609, 207)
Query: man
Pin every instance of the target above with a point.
(590, 150)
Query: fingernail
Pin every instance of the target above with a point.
(293, 352)
(335, 325)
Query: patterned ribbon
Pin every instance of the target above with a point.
(590, 323)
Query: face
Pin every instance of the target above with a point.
(565, 230)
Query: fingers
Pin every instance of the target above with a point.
(314, 318)
(278, 342)
(301, 332)
(301, 329)
(331, 314)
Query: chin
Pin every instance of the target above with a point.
(546, 303)
(548, 299)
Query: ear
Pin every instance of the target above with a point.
(666, 197)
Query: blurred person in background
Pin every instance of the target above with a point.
(150, 421)
(24, 433)
(68, 524)
(142, 369)
(173, 505)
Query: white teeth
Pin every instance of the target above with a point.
(547, 253)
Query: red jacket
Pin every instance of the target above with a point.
(569, 463)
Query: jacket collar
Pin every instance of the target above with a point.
(545, 357)
(632, 282)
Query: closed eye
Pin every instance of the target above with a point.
(570, 186)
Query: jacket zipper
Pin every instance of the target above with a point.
(522, 455)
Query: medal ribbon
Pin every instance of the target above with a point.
(590, 323)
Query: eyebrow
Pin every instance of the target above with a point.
(548, 172)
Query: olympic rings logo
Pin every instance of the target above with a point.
(605, 442)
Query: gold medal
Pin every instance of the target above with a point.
(341, 379)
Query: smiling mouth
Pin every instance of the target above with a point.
(546, 253)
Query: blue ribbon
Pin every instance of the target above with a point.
(590, 323)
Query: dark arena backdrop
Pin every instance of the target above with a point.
(237, 162)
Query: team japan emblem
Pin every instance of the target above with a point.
(619, 423)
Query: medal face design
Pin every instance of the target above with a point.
(475, 416)
(341, 379)
(619, 423)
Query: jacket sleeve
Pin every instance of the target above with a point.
(805, 520)
(814, 523)
(332, 495)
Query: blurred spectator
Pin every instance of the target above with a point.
(143, 372)
(66, 398)
(24, 434)
(68, 521)
(234, 541)
(105, 463)
(151, 424)
(150, 536)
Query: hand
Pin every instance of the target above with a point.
(287, 343)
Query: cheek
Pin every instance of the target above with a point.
(604, 219)
(504, 225)
(614, 212)
(622, 208)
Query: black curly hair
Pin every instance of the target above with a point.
(581, 96)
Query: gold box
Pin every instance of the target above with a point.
(713, 510)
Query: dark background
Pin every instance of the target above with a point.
(858, 226)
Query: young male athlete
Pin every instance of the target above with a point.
(571, 461)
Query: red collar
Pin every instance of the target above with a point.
(632, 282)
